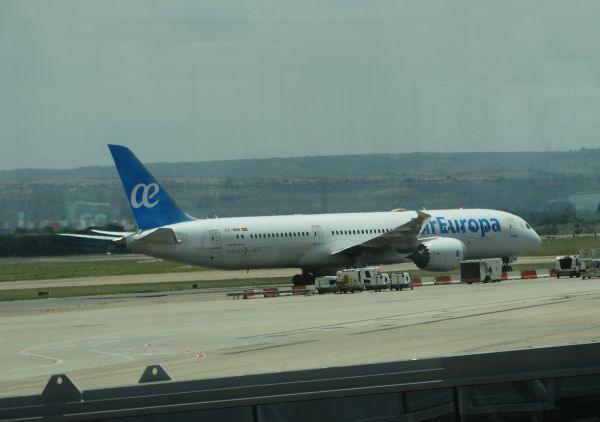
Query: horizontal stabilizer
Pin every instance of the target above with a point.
(90, 236)
(163, 236)
(114, 234)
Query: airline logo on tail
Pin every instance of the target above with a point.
(151, 205)
(148, 193)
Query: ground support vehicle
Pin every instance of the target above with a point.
(481, 270)
(373, 278)
(350, 280)
(592, 269)
(379, 281)
(569, 265)
(399, 281)
(591, 260)
(326, 284)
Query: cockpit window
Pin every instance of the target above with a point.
(527, 225)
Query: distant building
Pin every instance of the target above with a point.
(85, 214)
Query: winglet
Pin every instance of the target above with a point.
(150, 203)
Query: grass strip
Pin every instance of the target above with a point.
(116, 289)
(72, 269)
(566, 245)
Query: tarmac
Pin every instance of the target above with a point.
(108, 341)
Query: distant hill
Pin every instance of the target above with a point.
(584, 161)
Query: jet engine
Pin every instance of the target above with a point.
(440, 254)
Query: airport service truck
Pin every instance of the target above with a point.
(399, 281)
(356, 279)
(569, 265)
(374, 279)
(326, 284)
(369, 278)
(481, 270)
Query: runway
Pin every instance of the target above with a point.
(106, 342)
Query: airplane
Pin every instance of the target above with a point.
(317, 244)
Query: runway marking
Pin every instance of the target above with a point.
(197, 355)
(26, 353)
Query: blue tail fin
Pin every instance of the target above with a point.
(151, 205)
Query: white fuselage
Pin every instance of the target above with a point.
(311, 241)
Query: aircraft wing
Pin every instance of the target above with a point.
(117, 234)
(403, 238)
(161, 235)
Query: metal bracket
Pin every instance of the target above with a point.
(60, 389)
(154, 373)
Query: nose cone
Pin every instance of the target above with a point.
(534, 239)
(537, 240)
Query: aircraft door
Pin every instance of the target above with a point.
(215, 239)
(317, 233)
(512, 227)
(215, 243)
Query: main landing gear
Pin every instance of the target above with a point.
(506, 264)
(304, 279)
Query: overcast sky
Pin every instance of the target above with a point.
(211, 80)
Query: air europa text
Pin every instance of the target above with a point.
(441, 225)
